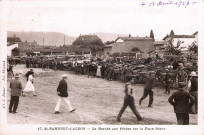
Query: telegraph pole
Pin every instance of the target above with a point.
(64, 39)
(43, 42)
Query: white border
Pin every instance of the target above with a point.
(33, 129)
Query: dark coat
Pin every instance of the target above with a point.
(128, 94)
(194, 84)
(62, 89)
(149, 82)
(28, 73)
(167, 80)
(16, 87)
(182, 101)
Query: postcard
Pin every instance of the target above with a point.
(101, 67)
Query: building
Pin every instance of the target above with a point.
(10, 48)
(12, 42)
(182, 40)
(159, 48)
(196, 36)
(128, 44)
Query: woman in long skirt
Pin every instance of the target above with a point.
(29, 85)
(98, 73)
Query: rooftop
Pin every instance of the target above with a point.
(179, 36)
(134, 38)
(195, 33)
(159, 43)
(13, 39)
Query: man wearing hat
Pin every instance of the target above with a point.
(181, 100)
(16, 87)
(193, 84)
(129, 101)
(148, 89)
(63, 95)
(182, 75)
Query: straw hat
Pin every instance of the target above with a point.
(169, 66)
(193, 73)
(64, 76)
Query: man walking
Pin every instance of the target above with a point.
(182, 101)
(148, 89)
(16, 87)
(129, 101)
(193, 84)
(63, 95)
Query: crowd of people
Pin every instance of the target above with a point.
(123, 69)
(118, 68)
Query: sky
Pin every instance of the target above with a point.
(75, 17)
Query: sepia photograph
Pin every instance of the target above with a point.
(100, 62)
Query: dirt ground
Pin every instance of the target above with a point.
(97, 101)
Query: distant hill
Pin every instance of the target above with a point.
(109, 36)
(55, 38)
(50, 38)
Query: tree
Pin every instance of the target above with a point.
(135, 49)
(95, 48)
(193, 48)
(151, 34)
(15, 51)
(88, 40)
(172, 33)
(172, 50)
(93, 42)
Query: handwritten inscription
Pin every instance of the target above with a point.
(178, 3)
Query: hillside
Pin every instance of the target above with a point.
(50, 38)
(55, 38)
